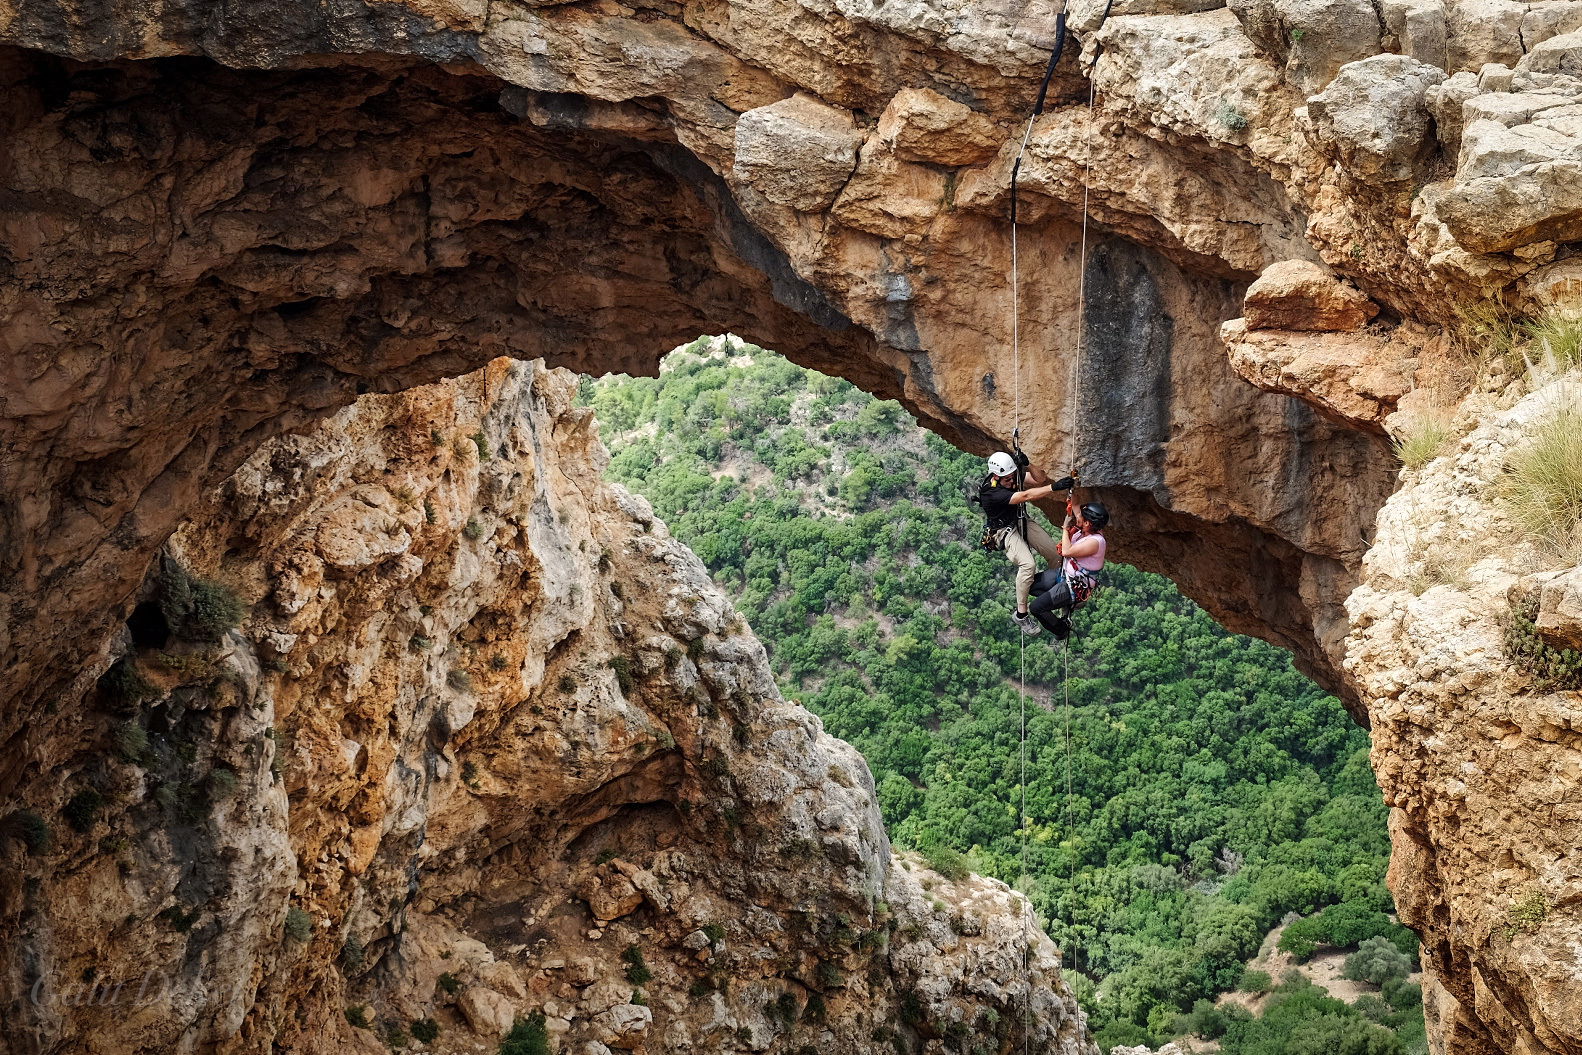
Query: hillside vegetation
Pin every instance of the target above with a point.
(1196, 792)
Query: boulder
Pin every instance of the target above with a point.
(1543, 21)
(1325, 35)
(925, 126)
(1354, 379)
(1516, 185)
(1558, 287)
(1261, 22)
(609, 896)
(361, 529)
(1312, 38)
(1302, 295)
(1417, 28)
(797, 152)
(1484, 31)
(1445, 102)
(1084, 16)
(488, 1013)
(502, 977)
(1561, 55)
(890, 197)
(1374, 116)
(623, 1025)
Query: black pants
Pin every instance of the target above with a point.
(1053, 603)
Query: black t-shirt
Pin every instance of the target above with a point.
(996, 503)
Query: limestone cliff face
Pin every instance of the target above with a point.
(487, 741)
(223, 223)
(1476, 754)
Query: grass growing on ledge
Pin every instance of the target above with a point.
(1424, 439)
(947, 861)
(637, 971)
(299, 925)
(1487, 330)
(623, 673)
(1498, 341)
(1543, 481)
(1441, 564)
(1231, 117)
(82, 810)
(196, 608)
(1554, 343)
(34, 831)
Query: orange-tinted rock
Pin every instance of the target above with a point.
(925, 126)
(428, 760)
(1302, 295)
(1353, 379)
(609, 896)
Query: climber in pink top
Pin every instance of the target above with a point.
(1082, 546)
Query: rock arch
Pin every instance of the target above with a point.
(222, 222)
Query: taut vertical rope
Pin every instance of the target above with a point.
(1071, 871)
(1074, 399)
(1021, 675)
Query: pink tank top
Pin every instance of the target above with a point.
(1089, 564)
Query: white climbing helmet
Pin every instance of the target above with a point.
(1001, 464)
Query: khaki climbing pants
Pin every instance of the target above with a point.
(1020, 553)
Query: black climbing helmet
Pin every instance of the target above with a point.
(1095, 514)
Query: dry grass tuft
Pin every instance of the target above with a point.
(1492, 336)
(1553, 345)
(1424, 439)
(1438, 567)
(1487, 331)
(1543, 482)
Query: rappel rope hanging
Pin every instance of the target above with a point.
(1074, 420)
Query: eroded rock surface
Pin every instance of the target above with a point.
(1477, 756)
(488, 741)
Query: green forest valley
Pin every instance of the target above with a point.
(1194, 801)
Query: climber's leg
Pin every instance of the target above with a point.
(1020, 554)
(1047, 547)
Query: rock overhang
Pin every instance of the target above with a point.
(325, 302)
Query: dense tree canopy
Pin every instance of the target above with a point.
(1185, 788)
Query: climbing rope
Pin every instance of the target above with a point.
(1073, 399)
